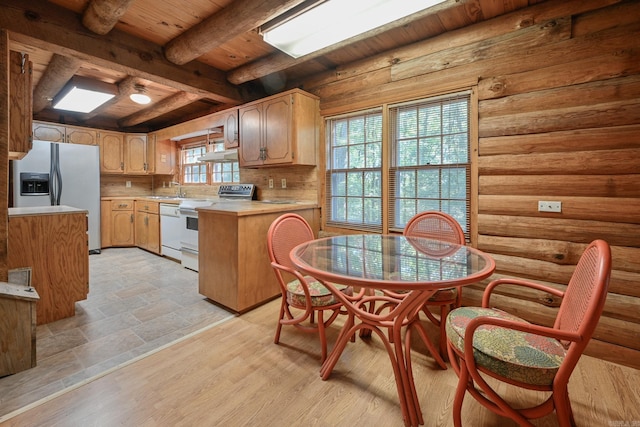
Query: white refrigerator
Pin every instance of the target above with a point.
(61, 174)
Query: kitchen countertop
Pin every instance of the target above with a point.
(230, 207)
(240, 208)
(45, 210)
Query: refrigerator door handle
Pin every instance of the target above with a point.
(55, 191)
(52, 172)
(58, 176)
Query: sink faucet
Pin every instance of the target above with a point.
(179, 193)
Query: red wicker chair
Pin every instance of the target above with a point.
(302, 296)
(439, 226)
(482, 340)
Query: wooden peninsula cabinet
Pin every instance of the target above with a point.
(53, 242)
(234, 266)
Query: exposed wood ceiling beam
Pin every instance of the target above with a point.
(171, 103)
(237, 18)
(58, 72)
(50, 27)
(281, 61)
(102, 15)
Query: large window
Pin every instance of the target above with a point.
(193, 171)
(428, 164)
(216, 172)
(354, 176)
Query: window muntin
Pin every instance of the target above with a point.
(354, 174)
(429, 164)
(193, 171)
(430, 161)
(225, 172)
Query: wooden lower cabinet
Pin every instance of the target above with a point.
(147, 226)
(117, 223)
(234, 266)
(56, 248)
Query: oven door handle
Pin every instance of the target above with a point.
(188, 212)
(191, 251)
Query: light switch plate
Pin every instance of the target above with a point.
(284, 183)
(547, 206)
(270, 182)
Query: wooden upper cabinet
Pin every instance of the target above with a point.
(111, 152)
(279, 130)
(20, 105)
(161, 155)
(135, 161)
(79, 135)
(43, 131)
(231, 129)
(251, 135)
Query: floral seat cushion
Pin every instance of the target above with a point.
(320, 295)
(521, 356)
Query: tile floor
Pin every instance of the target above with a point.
(138, 303)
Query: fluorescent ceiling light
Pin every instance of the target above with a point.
(83, 95)
(333, 21)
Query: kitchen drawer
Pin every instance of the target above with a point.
(149, 207)
(122, 205)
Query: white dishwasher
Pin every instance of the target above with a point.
(170, 231)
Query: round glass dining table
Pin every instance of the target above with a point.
(417, 267)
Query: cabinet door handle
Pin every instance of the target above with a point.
(122, 165)
(132, 218)
(146, 220)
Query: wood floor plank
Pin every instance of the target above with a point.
(234, 375)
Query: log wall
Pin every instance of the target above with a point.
(558, 87)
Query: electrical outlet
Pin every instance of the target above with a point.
(284, 183)
(270, 182)
(127, 184)
(546, 206)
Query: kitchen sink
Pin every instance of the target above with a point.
(164, 197)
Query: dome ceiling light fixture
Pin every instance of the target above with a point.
(140, 95)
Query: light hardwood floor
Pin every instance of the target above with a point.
(233, 375)
(138, 302)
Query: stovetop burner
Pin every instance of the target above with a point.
(237, 191)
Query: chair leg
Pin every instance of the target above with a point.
(461, 390)
(276, 339)
(563, 408)
(322, 334)
(443, 333)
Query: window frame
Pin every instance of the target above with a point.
(210, 165)
(362, 226)
(332, 227)
(445, 203)
(183, 165)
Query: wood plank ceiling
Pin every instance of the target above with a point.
(194, 57)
